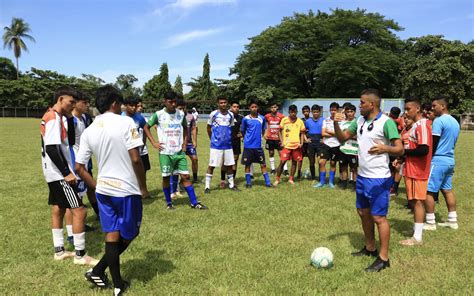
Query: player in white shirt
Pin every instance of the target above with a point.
(61, 179)
(120, 185)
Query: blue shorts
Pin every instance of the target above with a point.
(190, 150)
(441, 177)
(373, 193)
(123, 214)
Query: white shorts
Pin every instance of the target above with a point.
(216, 157)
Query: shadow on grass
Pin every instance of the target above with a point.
(403, 227)
(356, 238)
(148, 267)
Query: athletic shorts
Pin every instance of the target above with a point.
(122, 214)
(314, 149)
(304, 149)
(63, 195)
(190, 150)
(345, 159)
(373, 193)
(146, 162)
(416, 189)
(272, 145)
(217, 157)
(173, 164)
(441, 177)
(81, 188)
(330, 153)
(236, 147)
(293, 154)
(253, 155)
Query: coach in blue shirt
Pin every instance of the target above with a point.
(445, 134)
(253, 127)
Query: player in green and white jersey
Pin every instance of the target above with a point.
(349, 150)
(172, 138)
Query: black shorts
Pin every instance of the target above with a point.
(304, 149)
(314, 150)
(63, 195)
(236, 147)
(272, 145)
(330, 153)
(348, 159)
(146, 162)
(253, 155)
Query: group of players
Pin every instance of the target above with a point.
(424, 155)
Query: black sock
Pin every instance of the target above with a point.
(100, 267)
(395, 187)
(112, 253)
(95, 206)
(222, 175)
(195, 177)
(313, 171)
(235, 173)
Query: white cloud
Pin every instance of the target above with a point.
(189, 4)
(189, 36)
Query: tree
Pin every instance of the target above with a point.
(124, 82)
(202, 87)
(155, 88)
(13, 38)
(435, 66)
(7, 69)
(178, 85)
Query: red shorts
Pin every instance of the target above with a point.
(294, 154)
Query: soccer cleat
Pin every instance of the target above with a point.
(291, 182)
(85, 260)
(285, 172)
(365, 252)
(378, 265)
(275, 184)
(331, 185)
(273, 172)
(170, 207)
(319, 185)
(100, 281)
(234, 188)
(222, 184)
(429, 226)
(58, 256)
(248, 185)
(343, 185)
(269, 185)
(452, 225)
(411, 242)
(199, 206)
(173, 196)
(207, 191)
(121, 291)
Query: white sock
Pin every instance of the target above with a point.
(285, 167)
(58, 237)
(418, 233)
(430, 218)
(452, 217)
(230, 179)
(69, 229)
(208, 181)
(272, 163)
(251, 169)
(79, 241)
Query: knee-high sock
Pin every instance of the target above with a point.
(331, 177)
(208, 181)
(222, 175)
(230, 179)
(272, 163)
(112, 253)
(248, 178)
(322, 177)
(167, 192)
(99, 268)
(174, 187)
(313, 171)
(191, 194)
(266, 177)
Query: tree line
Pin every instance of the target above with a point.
(314, 54)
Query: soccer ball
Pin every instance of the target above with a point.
(322, 258)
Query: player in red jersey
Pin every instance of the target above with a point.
(271, 137)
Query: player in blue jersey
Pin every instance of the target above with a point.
(445, 135)
(314, 127)
(253, 127)
(219, 130)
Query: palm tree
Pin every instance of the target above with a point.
(14, 36)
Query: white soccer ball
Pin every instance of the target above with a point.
(322, 258)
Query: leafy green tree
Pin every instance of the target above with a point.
(14, 38)
(7, 69)
(155, 88)
(202, 87)
(124, 82)
(178, 85)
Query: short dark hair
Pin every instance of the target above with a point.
(371, 91)
(395, 111)
(274, 104)
(293, 108)
(82, 95)
(130, 101)
(315, 107)
(305, 107)
(234, 102)
(253, 101)
(222, 98)
(106, 96)
(413, 100)
(334, 105)
(426, 106)
(443, 99)
(180, 102)
(346, 104)
(350, 107)
(170, 95)
(65, 91)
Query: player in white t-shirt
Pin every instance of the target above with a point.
(120, 185)
(61, 179)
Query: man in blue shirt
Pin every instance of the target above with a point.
(219, 130)
(253, 127)
(445, 134)
(314, 127)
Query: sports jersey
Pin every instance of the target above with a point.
(236, 128)
(314, 129)
(273, 122)
(109, 138)
(447, 128)
(350, 147)
(191, 123)
(291, 132)
(328, 125)
(140, 124)
(53, 132)
(221, 125)
(169, 127)
(253, 129)
(418, 167)
(383, 131)
(400, 124)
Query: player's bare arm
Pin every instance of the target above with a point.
(185, 137)
(194, 136)
(155, 144)
(209, 131)
(341, 135)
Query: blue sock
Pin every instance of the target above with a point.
(167, 192)
(322, 177)
(331, 177)
(191, 194)
(248, 178)
(174, 185)
(267, 179)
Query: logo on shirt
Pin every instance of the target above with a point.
(135, 134)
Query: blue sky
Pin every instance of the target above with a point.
(111, 37)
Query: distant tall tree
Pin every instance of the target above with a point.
(155, 88)
(206, 85)
(13, 38)
(124, 82)
(178, 85)
(7, 69)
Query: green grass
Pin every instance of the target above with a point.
(256, 241)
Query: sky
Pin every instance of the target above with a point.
(107, 38)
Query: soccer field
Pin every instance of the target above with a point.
(257, 241)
